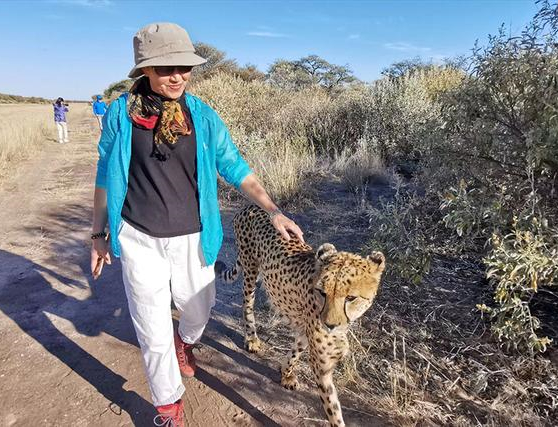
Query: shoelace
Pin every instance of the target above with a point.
(162, 420)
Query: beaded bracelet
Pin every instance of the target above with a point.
(99, 235)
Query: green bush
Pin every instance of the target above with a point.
(499, 133)
(486, 146)
(471, 213)
(404, 232)
(518, 265)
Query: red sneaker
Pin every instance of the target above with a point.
(185, 356)
(171, 415)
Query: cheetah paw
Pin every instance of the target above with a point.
(290, 382)
(253, 345)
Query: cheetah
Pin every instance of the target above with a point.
(318, 292)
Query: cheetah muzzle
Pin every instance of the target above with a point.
(320, 292)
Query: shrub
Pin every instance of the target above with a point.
(357, 167)
(249, 106)
(398, 114)
(401, 115)
(268, 125)
(280, 164)
(518, 264)
(472, 214)
(404, 232)
(16, 99)
(499, 133)
(440, 80)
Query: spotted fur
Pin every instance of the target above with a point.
(319, 292)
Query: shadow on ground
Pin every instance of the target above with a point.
(31, 292)
(29, 297)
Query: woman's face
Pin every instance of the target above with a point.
(170, 85)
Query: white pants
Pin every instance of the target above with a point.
(62, 131)
(154, 270)
(99, 120)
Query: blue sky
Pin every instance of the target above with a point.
(75, 49)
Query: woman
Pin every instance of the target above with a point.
(156, 189)
(60, 110)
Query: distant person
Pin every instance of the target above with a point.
(60, 110)
(99, 110)
(156, 190)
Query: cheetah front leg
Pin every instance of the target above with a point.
(322, 368)
(288, 377)
(251, 341)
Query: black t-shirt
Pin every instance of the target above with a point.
(162, 198)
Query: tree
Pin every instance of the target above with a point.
(250, 73)
(308, 71)
(115, 89)
(407, 66)
(416, 64)
(286, 75)
(216, 62)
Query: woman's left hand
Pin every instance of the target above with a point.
(284, 225)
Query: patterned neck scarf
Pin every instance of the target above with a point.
(166, 117)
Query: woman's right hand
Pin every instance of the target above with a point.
(99, 256)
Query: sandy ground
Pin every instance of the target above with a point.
(68, 353)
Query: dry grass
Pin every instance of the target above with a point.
(358, 165)
(26, 128)
(281, 166)
(278, 132)
(419, 359)
(422, 356)
(23, 128)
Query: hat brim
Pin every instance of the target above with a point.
(179, 58)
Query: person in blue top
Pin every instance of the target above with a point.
(99, 110)
(60, 110)
(156, 190)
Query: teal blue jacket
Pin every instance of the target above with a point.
(216, 153)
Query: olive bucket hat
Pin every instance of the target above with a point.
(163, 44)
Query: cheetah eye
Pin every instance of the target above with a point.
(350, 298)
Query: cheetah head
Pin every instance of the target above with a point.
(346, 284)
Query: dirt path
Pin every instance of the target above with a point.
(68, 353)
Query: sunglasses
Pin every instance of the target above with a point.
(167, 70)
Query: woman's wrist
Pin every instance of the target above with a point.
(98, 235)
(273, 213)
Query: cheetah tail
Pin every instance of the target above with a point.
(227, 275)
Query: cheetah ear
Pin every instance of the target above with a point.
(324, 252)
(379, 259)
